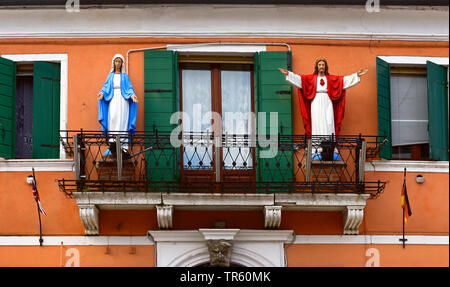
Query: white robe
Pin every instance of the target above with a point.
(322, 114)
(118, 110)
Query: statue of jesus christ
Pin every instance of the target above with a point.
(322, 97)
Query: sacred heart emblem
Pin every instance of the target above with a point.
(322, 82)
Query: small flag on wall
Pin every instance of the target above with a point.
(404, 200)
(36, 195)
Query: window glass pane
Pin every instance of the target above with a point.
(196, 97)
(24, 117)
(409, 109)
(236, 117)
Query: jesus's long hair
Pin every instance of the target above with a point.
(316, 69)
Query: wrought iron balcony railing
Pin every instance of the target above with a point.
(204, 162)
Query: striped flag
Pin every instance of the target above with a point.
(36, 197)
(405, 202)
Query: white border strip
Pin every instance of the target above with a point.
(219, 48)
(411, 166)
(236, 34)
(413, 60)
(58, 58)
(39, 165)
(74, 240)
(371, 239)
(144, 240)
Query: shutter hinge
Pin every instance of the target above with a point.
(51, 79)
(50, 145)
(283, 92)
(157, 91)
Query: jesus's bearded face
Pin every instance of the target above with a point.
(321, 67)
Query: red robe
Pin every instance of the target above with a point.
(335, 91)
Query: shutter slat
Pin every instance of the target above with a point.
(437, 111)
(161, 73)
(7, 107)
(384, 106)
(274, 95)
(46, 97)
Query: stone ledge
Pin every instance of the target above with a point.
(320, 202)
(272, 205)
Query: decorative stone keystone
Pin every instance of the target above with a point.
(352, 216)
(89, 218)
(219, 252)
(164, 214)
(272, 217)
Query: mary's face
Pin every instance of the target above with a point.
(117, 64)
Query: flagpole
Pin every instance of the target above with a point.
(40, 226)
(39, 214)
(403, 214)
(403, 219)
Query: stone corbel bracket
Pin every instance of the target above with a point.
(164, 215)
(272, 217)
(352, 217)
(351, 206)
(89, 218)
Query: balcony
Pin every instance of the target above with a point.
(232, 172)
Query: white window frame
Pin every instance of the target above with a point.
(43, 164)
(399, 165)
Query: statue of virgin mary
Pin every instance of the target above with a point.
(117, 102)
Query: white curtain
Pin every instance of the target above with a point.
(196, 87)
(409, 109)
(236, 115)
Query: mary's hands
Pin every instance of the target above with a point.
(100, 96)
(283, 71)
(134, 98)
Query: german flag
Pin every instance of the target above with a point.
(405, 202)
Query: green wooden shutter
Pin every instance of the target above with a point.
(46, 106)
(437, 111)
(384, 106)
(274, 94)
(7, 107)
(161, 101)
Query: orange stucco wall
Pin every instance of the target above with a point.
(382, 215)
(89, 61)
(82, 256)
(298, 255)
(350, 255)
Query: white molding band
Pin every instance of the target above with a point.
(144, 240)
(57, 58)
(74, 240)
(218, 48)
(408, 23)
(218, 233)
(234, 34)
(411, 166)
(413, 60)
(37, 164)
(372, 239)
